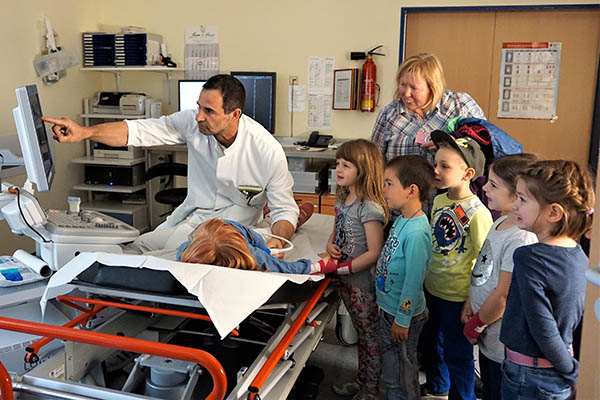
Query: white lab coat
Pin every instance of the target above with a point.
(215, 173)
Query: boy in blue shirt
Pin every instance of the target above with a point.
(401, 270)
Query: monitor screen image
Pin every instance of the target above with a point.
(260, 96)
(33, 138)
(189, 91)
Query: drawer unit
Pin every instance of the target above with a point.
(328, 204)
(307, 197)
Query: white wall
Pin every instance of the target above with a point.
(253, 35)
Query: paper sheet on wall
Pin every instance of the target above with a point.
(201, 52)
(320, 92)
(529, 76)
(297, 98)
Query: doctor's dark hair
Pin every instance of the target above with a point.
(508, 168)
(416, 170)
(216, 242)
(232, 91)
(565, 183)
(368, 161)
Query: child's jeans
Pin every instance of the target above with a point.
(491, 376)
(520, 382)
(447, 356)
(399, 359)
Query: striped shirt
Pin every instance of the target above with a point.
(395, 128)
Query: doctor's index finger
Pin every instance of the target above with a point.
(55, 121)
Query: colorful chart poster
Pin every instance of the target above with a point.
(529, 77)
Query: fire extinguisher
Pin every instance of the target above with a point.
(369, 85)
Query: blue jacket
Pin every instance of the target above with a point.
(502, 143)
(262, 255)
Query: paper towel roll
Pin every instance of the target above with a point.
(36, 265)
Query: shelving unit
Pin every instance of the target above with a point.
(150, 68)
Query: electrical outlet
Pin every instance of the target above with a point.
(293, 79)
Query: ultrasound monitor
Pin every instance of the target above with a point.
(189, 91)
(260, 96)
(33, 138)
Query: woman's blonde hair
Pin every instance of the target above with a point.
(428, 67)
(565, 183)
(216, 242)
(369, 163)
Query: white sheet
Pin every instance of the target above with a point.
(228, 295)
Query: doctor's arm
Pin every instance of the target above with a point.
(67, 131)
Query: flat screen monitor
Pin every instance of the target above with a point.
(189, 91)
(33, 138)
(260, 96)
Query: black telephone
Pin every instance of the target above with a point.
(317, 140)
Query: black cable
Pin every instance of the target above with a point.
(23, 215)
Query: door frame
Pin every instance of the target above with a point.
(595, 131)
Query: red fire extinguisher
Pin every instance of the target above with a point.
(369, 82)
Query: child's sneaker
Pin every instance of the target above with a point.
(429, 394)
(346, 389)
(306, 211)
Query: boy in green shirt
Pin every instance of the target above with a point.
(460, 223)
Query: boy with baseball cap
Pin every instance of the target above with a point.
(460, 223)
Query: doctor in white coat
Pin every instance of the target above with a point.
(234, 164)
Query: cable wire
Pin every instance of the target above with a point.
(16, 188)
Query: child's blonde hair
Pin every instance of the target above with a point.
(216, 242)
(565, 183)
(369, 163)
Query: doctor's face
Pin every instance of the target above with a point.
(211, 118)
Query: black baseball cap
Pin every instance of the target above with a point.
(468, 148)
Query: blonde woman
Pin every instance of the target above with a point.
(421, 105)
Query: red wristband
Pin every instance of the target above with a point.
(344, 268)
(329, 266)
(474, 327)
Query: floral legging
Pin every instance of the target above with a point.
(362, 307)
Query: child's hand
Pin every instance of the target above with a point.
(399, 333)
(334, 250)
(466, 313)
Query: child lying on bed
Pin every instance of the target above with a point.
(234, 245)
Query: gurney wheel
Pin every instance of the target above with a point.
(344, 331)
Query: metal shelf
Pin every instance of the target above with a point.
(112, 116)
(126, 162)
(109, 188)
(151, 68)
(113, 206)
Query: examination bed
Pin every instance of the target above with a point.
(252, 342)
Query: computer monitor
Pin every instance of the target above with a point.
(189, 91)
(260, 96)
(35, 145)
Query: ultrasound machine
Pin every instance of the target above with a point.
(59, 235)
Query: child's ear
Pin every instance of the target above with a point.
(469, 174)
(413, 191)
(556, 213)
